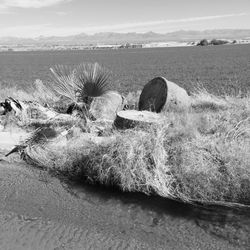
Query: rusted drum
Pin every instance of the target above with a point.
(154, 95)
(161, 95)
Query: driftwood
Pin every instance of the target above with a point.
(160, 95)
(131, 118)
(106, 106)
(26, 109)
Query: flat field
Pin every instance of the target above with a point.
(220, 69)
(196, 155)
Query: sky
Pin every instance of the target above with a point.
(33, 18)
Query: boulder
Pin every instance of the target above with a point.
(106, 106)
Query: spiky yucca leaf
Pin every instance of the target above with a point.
(92, 80)
(64, 82)
(39, 136)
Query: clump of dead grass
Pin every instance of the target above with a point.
(202, 101)
(196, 156)
(201, 154)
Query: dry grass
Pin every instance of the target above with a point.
(38, 92)
(199, 155)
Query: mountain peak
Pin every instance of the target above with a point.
(131, 37)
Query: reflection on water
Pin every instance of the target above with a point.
(38, 211)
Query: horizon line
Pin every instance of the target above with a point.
(130, 32)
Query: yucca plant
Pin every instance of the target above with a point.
(65, 85)
(39, 136)
(87, 80)
(82, 84)
(92, 80)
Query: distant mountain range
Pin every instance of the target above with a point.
(121, 38)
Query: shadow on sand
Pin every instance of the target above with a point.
(232, 224)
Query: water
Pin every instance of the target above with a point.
(38, 211)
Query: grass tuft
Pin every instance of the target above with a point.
(196, 156)
(202, 101)
(201, 154)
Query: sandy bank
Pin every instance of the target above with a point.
(41, 212)
(9, 139)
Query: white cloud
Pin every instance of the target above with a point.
(4, 11)
(5, 4)
(36, 30)
(159, 22)
(51, 30)
(150, 24)
(24, 30)
(61, 13)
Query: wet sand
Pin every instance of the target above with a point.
(38, 211)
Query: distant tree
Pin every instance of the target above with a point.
(128, 45)
(203, 42)
(218, 42)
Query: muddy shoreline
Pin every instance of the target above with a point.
(42, 212)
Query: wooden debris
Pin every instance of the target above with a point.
(26, 109)
(131, 118)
